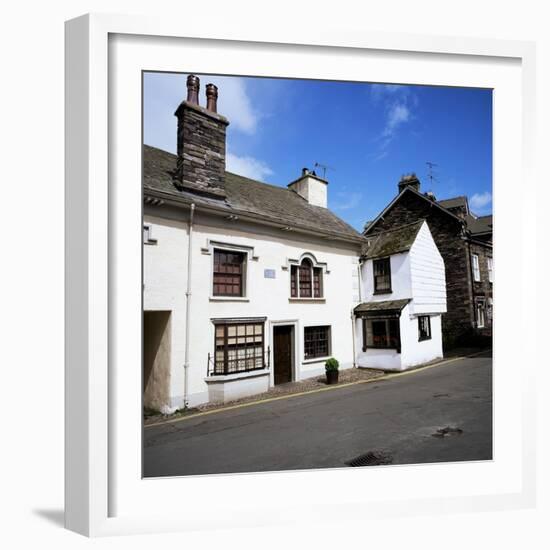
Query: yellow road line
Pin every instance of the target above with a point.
(307, 392)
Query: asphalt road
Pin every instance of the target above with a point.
(394, 418)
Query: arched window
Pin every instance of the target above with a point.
(306, 281)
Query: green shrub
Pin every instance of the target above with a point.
(331, 364)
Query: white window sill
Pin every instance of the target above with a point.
(314, 300)
(229, 299)
(315, 360)
(236, 376)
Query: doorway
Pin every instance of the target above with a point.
(156, 359)
(283, 353)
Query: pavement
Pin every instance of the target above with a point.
(400, 420)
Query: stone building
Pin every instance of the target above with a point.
(465, 242)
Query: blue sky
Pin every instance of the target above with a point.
(368, 134)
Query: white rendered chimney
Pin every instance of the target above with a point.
(311, 187)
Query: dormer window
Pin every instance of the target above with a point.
(306, 280)
(382, 276)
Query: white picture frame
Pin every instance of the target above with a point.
(104, 498)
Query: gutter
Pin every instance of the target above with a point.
(188, 305)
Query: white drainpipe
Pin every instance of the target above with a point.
(188, 303)
(353, 338)
(360, 282)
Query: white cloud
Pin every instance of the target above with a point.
(378, 91)
(479, 201)
(398, 103)
(398, 114)
(235, 104)
(350, 201)
(248, 167)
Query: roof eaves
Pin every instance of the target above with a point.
(251, 216)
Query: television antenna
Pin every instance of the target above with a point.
(431, 175)
(324, 167)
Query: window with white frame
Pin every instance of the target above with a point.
(490, 310)
(306, 280)
(424, 328)
(480, 312)
(490, 268)
(475, 268)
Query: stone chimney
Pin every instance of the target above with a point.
(311, 187)
(201, 142)
(409, 180)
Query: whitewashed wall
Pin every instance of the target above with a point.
(413, 352)
(165, 268)
(400, 265)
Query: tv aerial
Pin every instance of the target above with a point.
(324, 167)
(431, 175)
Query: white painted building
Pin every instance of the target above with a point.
(403, 293)
(245, 285)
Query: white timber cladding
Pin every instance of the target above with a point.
(428, 288)
(165, 269)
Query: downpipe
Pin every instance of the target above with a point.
(188, 306)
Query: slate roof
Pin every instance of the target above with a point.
(245, 196)
(454, 202)
(393, 241)
(481, 224)
(374, 308)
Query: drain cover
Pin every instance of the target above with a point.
(446, 432)
(370, 459)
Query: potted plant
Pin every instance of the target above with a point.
(331, 368)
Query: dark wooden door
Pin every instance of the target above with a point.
(282, 354)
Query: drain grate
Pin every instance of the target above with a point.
(370, 459)
(446, 432)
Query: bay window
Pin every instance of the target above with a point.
(381, 333)
(239, 347)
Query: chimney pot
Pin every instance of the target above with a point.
(212, 98)
(193, 86)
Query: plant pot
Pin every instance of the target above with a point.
(332, 376)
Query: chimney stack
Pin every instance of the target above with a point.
(311, 187)
(409, 180)
(212, 98)
(201, 143)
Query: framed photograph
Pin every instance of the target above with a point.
(283, 290)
